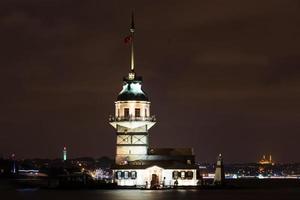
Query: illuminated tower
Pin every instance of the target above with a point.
(13, 158)
(132, 118)
(65, 153)
(219, 174)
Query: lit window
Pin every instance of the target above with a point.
(119, 175)
(175, 174)
(189, 175)
(126, 174)
(182, 174)
(133, 175)
(137, 112)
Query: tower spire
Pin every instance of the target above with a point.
(132, 22)
(132, 29)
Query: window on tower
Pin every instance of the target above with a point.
(137, 112)
(126, 112)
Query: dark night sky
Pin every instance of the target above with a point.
(223, 76)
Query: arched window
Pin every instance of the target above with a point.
(182, 174)
(126, 112)
(126, 175)
(189, 175)
(175, 174)
(137, 112)
(133, 175)
(119, 175)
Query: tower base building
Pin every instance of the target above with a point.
(162, 167)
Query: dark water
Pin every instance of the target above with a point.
(242, 190)
(241, 194)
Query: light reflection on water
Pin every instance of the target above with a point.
(102, 194)
(146, 194)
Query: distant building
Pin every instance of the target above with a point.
(265, 161)
(136, 163)
(65, 153)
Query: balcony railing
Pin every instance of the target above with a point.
(131, 118)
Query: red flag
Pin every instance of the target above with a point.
(128, 39)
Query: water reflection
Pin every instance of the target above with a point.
(288, 193)
(145, 194)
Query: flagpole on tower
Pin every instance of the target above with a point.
(132, 29)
